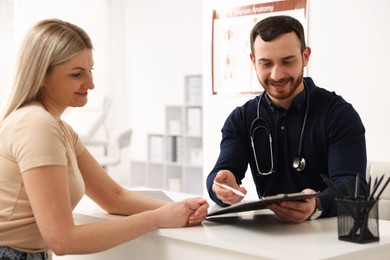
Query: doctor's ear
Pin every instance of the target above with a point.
(252, 57)
(306, 55)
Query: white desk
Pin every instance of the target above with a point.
(250, 235)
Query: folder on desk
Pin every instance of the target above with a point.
(157, 194)
(262, 203)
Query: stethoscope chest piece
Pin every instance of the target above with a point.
(299, 164)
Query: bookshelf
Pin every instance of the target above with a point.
(175, 157)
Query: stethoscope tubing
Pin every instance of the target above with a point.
(299, 162)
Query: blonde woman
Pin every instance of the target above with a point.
(45, 169)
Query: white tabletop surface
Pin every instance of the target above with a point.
(262, 234)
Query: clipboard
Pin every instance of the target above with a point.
(262, 203)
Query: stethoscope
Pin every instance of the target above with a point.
(298, 163)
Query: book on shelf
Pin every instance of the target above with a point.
(174, 149)
(194, 121)
(156, 148)
(194, 90)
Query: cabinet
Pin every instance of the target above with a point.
(175, 157)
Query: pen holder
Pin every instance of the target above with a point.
(357, 220)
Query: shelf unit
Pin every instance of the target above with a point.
(175, 157)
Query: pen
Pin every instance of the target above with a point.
(368, 191)
(339, 196)
(330, 184)
(376, 186)
(229, 188)
(357, 186)
(383, 188)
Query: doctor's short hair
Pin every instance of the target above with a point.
(272, 27)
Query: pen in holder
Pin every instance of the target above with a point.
(357, 220)
(357, 216)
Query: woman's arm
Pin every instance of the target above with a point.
(50, 199)
(108, 194)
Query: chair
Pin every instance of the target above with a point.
(376, 169)
(113, 158)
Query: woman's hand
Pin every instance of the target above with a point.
(200, 213)
(188, 212)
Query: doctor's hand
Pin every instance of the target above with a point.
(227, 196)
(295, 211)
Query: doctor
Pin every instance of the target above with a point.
(290, 134)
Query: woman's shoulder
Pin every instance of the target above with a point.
(33, 111)
(31, 116)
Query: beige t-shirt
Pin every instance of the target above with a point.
(31, 137)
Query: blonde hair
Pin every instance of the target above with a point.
(49, 43)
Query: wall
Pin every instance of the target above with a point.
(162, 42)
(350, 53)
(350, 47)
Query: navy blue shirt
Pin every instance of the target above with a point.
(333, 144)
